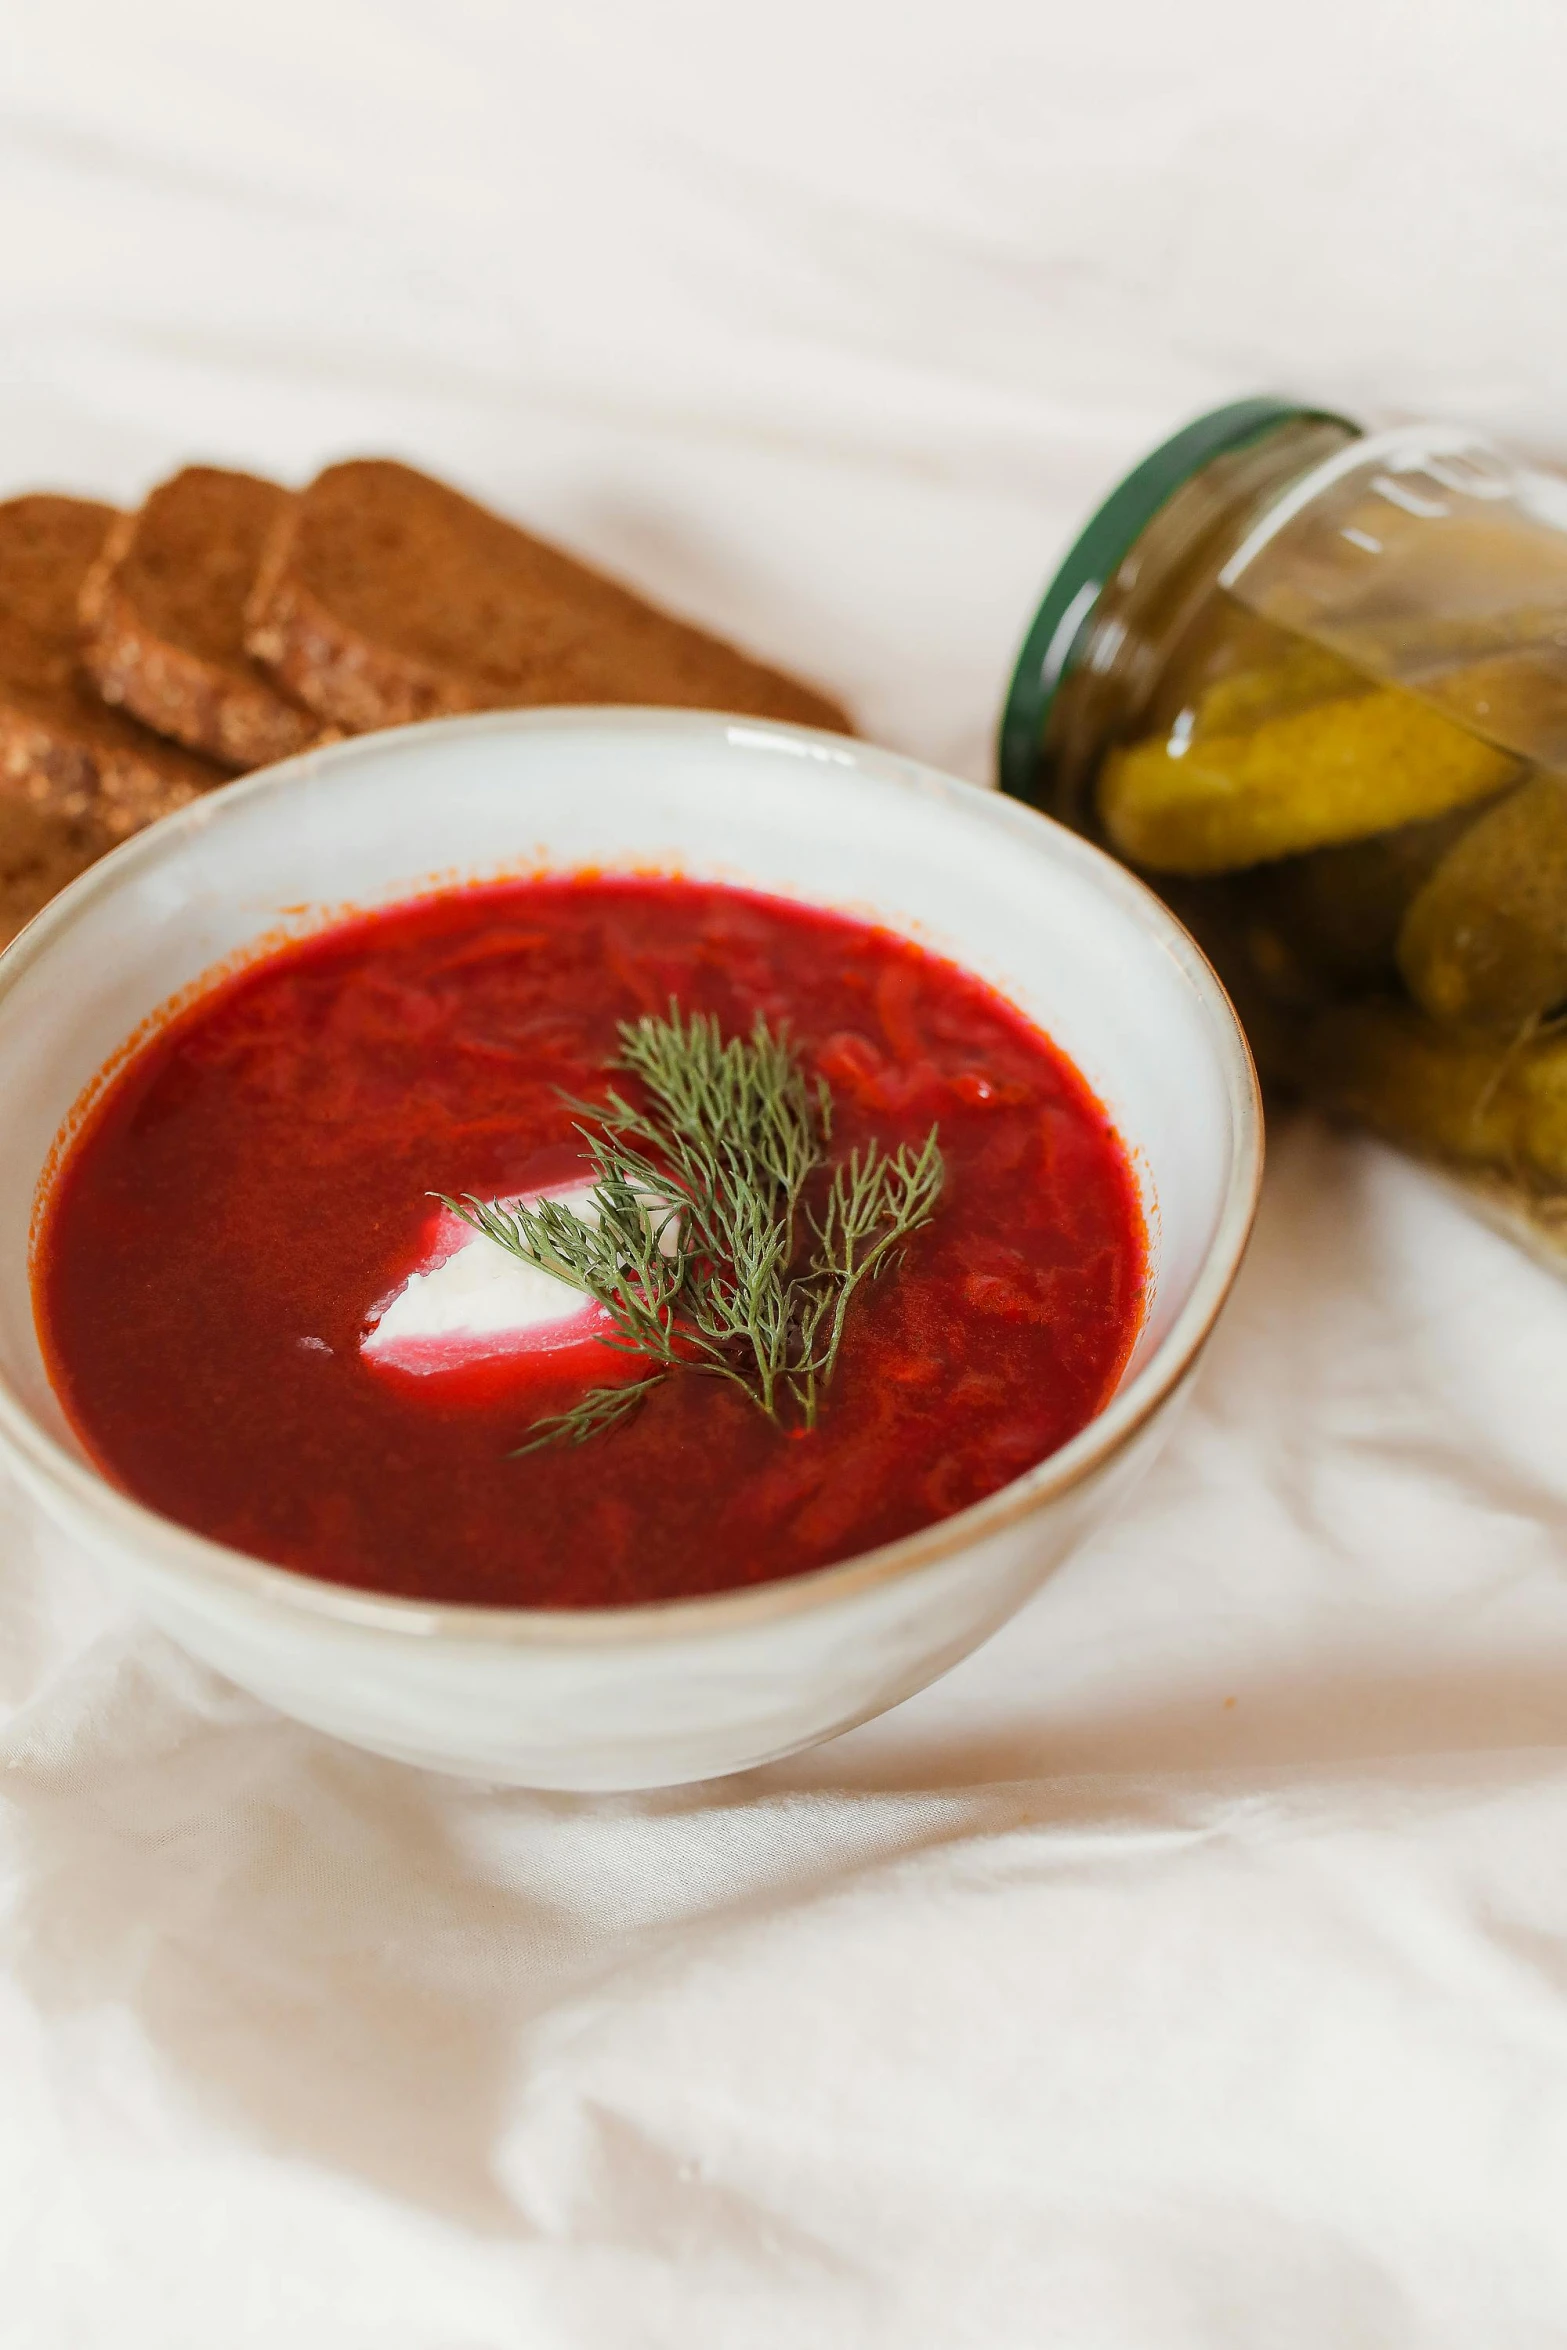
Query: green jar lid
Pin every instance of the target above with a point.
(1062, 622)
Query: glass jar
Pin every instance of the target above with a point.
(1312, 685)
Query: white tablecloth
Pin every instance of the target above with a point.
(1189, 1968)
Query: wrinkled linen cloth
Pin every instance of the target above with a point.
(1190, 1966)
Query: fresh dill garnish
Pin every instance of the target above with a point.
(703, 1249)
(600, 1408)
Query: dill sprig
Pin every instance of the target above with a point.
(702, 1248)
(602, 1408)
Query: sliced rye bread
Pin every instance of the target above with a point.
(386, 597)
(163, 614)
(60, 747)
(40, 851)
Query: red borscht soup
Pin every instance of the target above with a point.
(269, 1313)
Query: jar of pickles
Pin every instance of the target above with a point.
(1312, 684)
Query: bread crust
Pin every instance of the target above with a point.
(162, 612)
(384, 597)
(61, 749)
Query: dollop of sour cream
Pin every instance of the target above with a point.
(472, 1300)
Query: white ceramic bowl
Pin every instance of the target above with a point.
(644, 1696)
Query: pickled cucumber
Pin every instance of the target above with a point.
(1517, 697)
(1337, 771)
(1445, 1094)
(1298, 679)
(1484, 942)
(1338, 912)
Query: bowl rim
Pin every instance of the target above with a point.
(45, 1461)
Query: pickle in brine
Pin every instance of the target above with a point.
(1338, 771)
(1338, 912)
(1301, 677)
(1448, 1095)
(1390, 1068)
(1537, 1079)
(1484, 943)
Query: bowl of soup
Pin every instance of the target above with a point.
(594, 1249)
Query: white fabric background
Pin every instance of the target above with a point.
(1190, 1968)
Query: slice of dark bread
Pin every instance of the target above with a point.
(385, 597)
(60, 748)
(40, 851)
(163, 613)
